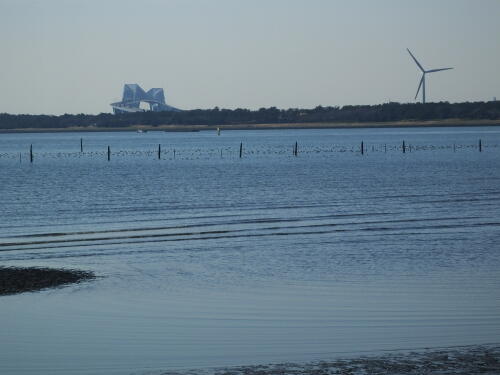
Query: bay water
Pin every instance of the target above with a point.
(205, 259)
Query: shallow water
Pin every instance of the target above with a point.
(206, 259)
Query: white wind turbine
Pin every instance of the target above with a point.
(424, 72)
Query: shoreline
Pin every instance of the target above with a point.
(15, 280)
(326, 125)
(456, 360)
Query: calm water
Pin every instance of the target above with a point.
(208, 260)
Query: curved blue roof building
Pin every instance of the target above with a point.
(133, 95)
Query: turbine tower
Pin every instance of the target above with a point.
(424, 72)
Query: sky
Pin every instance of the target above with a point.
(74, 56)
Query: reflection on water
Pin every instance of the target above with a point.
(212, 260)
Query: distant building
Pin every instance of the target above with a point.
(134, 95)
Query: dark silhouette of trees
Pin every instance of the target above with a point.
(347, 114)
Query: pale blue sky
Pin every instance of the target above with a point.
(73, 56)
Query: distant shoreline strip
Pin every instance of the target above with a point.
(272, 126)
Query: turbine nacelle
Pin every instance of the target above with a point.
(424, 72)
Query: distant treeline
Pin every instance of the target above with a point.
(349, 113)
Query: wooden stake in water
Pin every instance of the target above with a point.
(159, 152)
(174, 153)
(385, 148)
(480, 146)
(20, 157)
(218, 131)
(109, 154)
(296, 151)
(404, 147)
(81, 144)
(362, 148)
(241, 149)
(31, 153)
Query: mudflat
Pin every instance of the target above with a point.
(15, 280)
(463, 360)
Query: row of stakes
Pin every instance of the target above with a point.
(295, 150)
(404, 147)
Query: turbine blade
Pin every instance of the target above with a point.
(419, 86)
(416, 61)
(437, 70)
